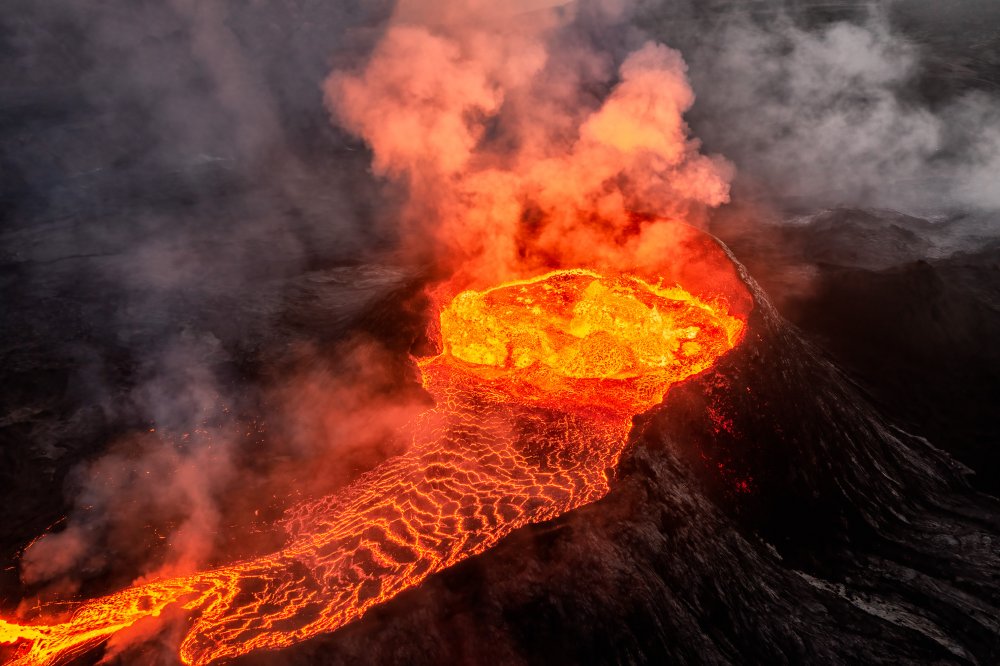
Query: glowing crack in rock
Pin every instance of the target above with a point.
(535, 388)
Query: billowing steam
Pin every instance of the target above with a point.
(189, 464)
(846, 113)
(510, 160)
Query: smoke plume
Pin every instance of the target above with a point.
(510, 161)
(155, 204)
(859, 112)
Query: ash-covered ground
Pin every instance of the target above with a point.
(184, 232)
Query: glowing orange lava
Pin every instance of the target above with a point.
(535, 388)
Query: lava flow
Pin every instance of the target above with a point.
(535, 387)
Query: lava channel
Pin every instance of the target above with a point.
(535, 388)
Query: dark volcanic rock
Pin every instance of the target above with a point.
(766, 514)
(910, 308)
(922, 337)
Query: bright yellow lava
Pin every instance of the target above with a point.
(555, 335)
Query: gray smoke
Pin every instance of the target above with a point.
(871, 110)
(167, 169)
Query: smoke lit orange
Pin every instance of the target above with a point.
(535, 388)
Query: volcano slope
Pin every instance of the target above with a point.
(765, 513)
(909, 307)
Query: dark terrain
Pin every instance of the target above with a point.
(175, 229)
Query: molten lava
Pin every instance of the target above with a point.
(535, 389)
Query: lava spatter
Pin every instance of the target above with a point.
(535, 388)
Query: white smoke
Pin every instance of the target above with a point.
(833, 115)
